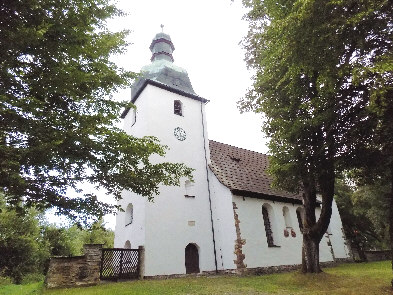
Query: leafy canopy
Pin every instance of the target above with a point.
(318, 65)
(364, 211)
(57, 114)
(23, 248)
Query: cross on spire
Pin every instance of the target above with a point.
(162, 28)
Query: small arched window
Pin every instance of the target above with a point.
(133, 117)
(300, 217)
(189, 186)
(178, 108)
(268, 226)
(127, 245)
(287, 217)
(129, 214)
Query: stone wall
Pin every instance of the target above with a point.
(75, 271)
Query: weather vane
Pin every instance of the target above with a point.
(162, 28)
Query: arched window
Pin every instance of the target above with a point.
(129, 214)
(300, 217)
(268, 226)
(178, 108)
(287, 217)
(189, 186)
(133, 117)
(127, 245)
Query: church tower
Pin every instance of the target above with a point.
(176, 229)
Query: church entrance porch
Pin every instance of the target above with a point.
(192, 259)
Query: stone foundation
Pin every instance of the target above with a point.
(251, 271)
(75, 271)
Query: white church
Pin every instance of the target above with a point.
(229, 218)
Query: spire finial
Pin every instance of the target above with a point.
(162, 28)
(162, 47)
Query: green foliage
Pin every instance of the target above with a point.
(57, 113)
(320, 65)
(22, 248)
(317, 65)
(33, 278)
(364, 212)
(5, 280)
(63, 241)
(98, 234)
(27, 242)
(69, 241)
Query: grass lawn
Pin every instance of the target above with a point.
(362, 278)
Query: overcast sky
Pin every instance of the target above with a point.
(206, 36)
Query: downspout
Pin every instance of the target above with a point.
(208, 188)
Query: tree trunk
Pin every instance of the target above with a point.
(310, 248)
(310, 255)
(391, 215)
(314, 230)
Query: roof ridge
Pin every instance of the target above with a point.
(238, 147)
(246, 176)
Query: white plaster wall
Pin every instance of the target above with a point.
(134, 232)
(163, 226)
(333, 243)
(167, 231)
(337, 237)
(224, 223)
(256, 251)
(325, 250)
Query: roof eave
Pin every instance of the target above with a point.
(244, 193)
(162, 86)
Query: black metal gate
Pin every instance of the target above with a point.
(118, 263)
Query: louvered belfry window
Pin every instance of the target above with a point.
(268, 228)
(177, 108)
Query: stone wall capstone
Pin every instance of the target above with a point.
(75, 271)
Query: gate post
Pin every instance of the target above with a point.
(141, 262)
(121, 265)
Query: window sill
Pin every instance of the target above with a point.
(274, 246)
(188, 196)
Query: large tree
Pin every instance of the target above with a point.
(317, 66)
(57, 114)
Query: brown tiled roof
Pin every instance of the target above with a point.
(243, 172)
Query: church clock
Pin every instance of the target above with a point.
(179, 133)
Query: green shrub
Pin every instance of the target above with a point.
(5, 281)
(32, 278)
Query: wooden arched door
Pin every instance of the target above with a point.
(192, 259)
